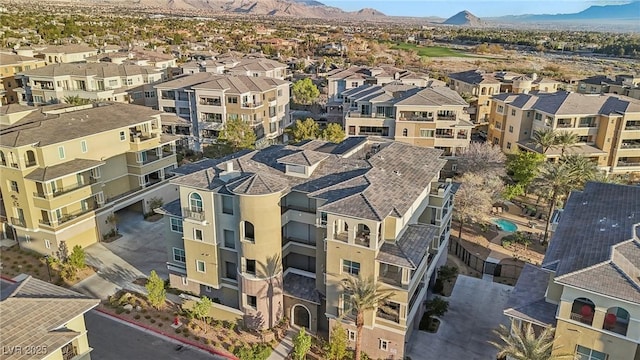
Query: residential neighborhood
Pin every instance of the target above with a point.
(297, 180)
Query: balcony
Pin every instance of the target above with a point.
(65, 190)
(254, 104)
(389, 311)
(292, 239)
(390, 274)
(564, 125)
(343, 236)
(417, 118)
(622, 163)
(585, 319)
(362, 238)
(68, 217)
(444, 135)
(210, 102)
(630, 145)
(447, 117)
(632, 125)
(197, 215)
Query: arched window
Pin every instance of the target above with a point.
(583, 310)
(483, 91)
(3, 160)
(195, 202)
(405, 132)
(490, 91)
(249, 233)
(363, 235)
(616, 320)
(31, 158)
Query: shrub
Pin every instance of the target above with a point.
(153, 321)
(255, 352)
(301, 345)
(147, 317)
(178, 331)
(119, 310)
(137, 316)
(128, 312)
(159, 324)
(438, 287)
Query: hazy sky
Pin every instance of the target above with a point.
(480, 8)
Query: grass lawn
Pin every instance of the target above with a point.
(430, 51)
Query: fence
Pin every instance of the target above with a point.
(508, 268)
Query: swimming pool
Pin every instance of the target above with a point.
(505, 225)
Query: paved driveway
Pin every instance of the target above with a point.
(475, 309)
(140, 250)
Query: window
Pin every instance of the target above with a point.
(347, 306)
(232, 99)
(149, 94)
(279, 92)
(229, 239)
(584, 353)
(195, 202)
(169, 109)
(384, 345)
(426, 133)
(47, 244)
(113, 83)
(184, 111)
(351, 335)
(227, 205)
(27, 238)
(207, 288)
(14, 186)
(510, 128)
(350, 267)
(211, 117)
(538, 116)
(122, 137)
(83, 146)
(176, 225)
(3, 160)
(200, 266)
(405, 132)
(252, 301)
(231, 271)
(61, 152)
(500, 108)
(179, 255)
(250, 266)
(323, 218)
(197, 234)
(354, 84)
(508, 145)
(513, 112)
(249, 232)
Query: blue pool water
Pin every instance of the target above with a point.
(505, 225)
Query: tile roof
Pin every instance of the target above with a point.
(99, 70)
(67, 49)
(172, 209)
(436, 96)
(474, 77)
(565, 103)
(527, 300)
(387, 183)
(34, 314)
(410, 248)
(46, 128)
(595, 245)
(74, 166)
(10, 59)
(256, 184)
(301, 287)
(304, 157)
(398, 93)
(234, 84)
(258, 64)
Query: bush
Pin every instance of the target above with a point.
(159, 324)
(119, 310)
(137, 316)
(255, 352)
(207, 341)
(438, 287)
(178, 331)
(147, 317)
(153, 321)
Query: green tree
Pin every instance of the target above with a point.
(304, 130)
(337, 346)
(554, 179)
(447, 273)
(200, 310)
(237, 135)
(566, 140)
(523, 344)
(305, 91)
(544, 138)
(76, 100)
(365, 296)
(333, 133)
(436, 306)
(77, 258)
(511, 191)
(524, 166)
(301, 345)
(156, 293)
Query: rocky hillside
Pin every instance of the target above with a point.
(463, 18)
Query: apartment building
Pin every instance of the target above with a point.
(588, 287)
(250, 66)
(94, 81)
(607, 126)
(427, 117)
(480, 86)
(43, 321)
(66, 169)
(328, 211)
(627, 85)
(208, 100)
(10, 65)
(140, 57)
(75, 53)
(340, 80)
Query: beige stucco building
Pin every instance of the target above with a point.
(607, 126)
(66, 169)
(10, 65)
(628, 85)
(208, 100)
(94, 81)
(43, 321)
(428, 117)
(588, 287)
(74, 53)
(324, 212)
(480, 87)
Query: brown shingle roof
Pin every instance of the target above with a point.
(99, 70)
(410, 248)
(67, 168)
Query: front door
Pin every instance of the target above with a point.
(301, 316)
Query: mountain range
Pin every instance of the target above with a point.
(630, 11)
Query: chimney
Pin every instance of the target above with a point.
(229, 166)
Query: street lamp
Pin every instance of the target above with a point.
(46, 259)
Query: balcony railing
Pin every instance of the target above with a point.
(635, 145)
(18, 222)
(391, 278)
(288, 239)
(564, 125)
(31, 163)
(393, 316)
(362, 239)
(633, 126)
(68, 217)
(15, 165)
(343, 236)
(417, 118)
(68, 189)
(271, 99)
(580, 318)
(210, 102)
(628, 164)
(193, 214)
(447, 117)
(444, 136)
(252, 104)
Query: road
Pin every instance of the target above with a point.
(113, 340)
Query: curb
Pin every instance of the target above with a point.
(7, 279)
(176, 338)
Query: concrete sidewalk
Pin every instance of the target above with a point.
(283, 349)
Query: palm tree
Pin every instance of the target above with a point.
(365, 296)
(270, 272)
(545, 138)
(566, 139)
(523, 344)
(554, 180)
(584, 169)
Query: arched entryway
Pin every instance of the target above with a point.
(300, 316)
